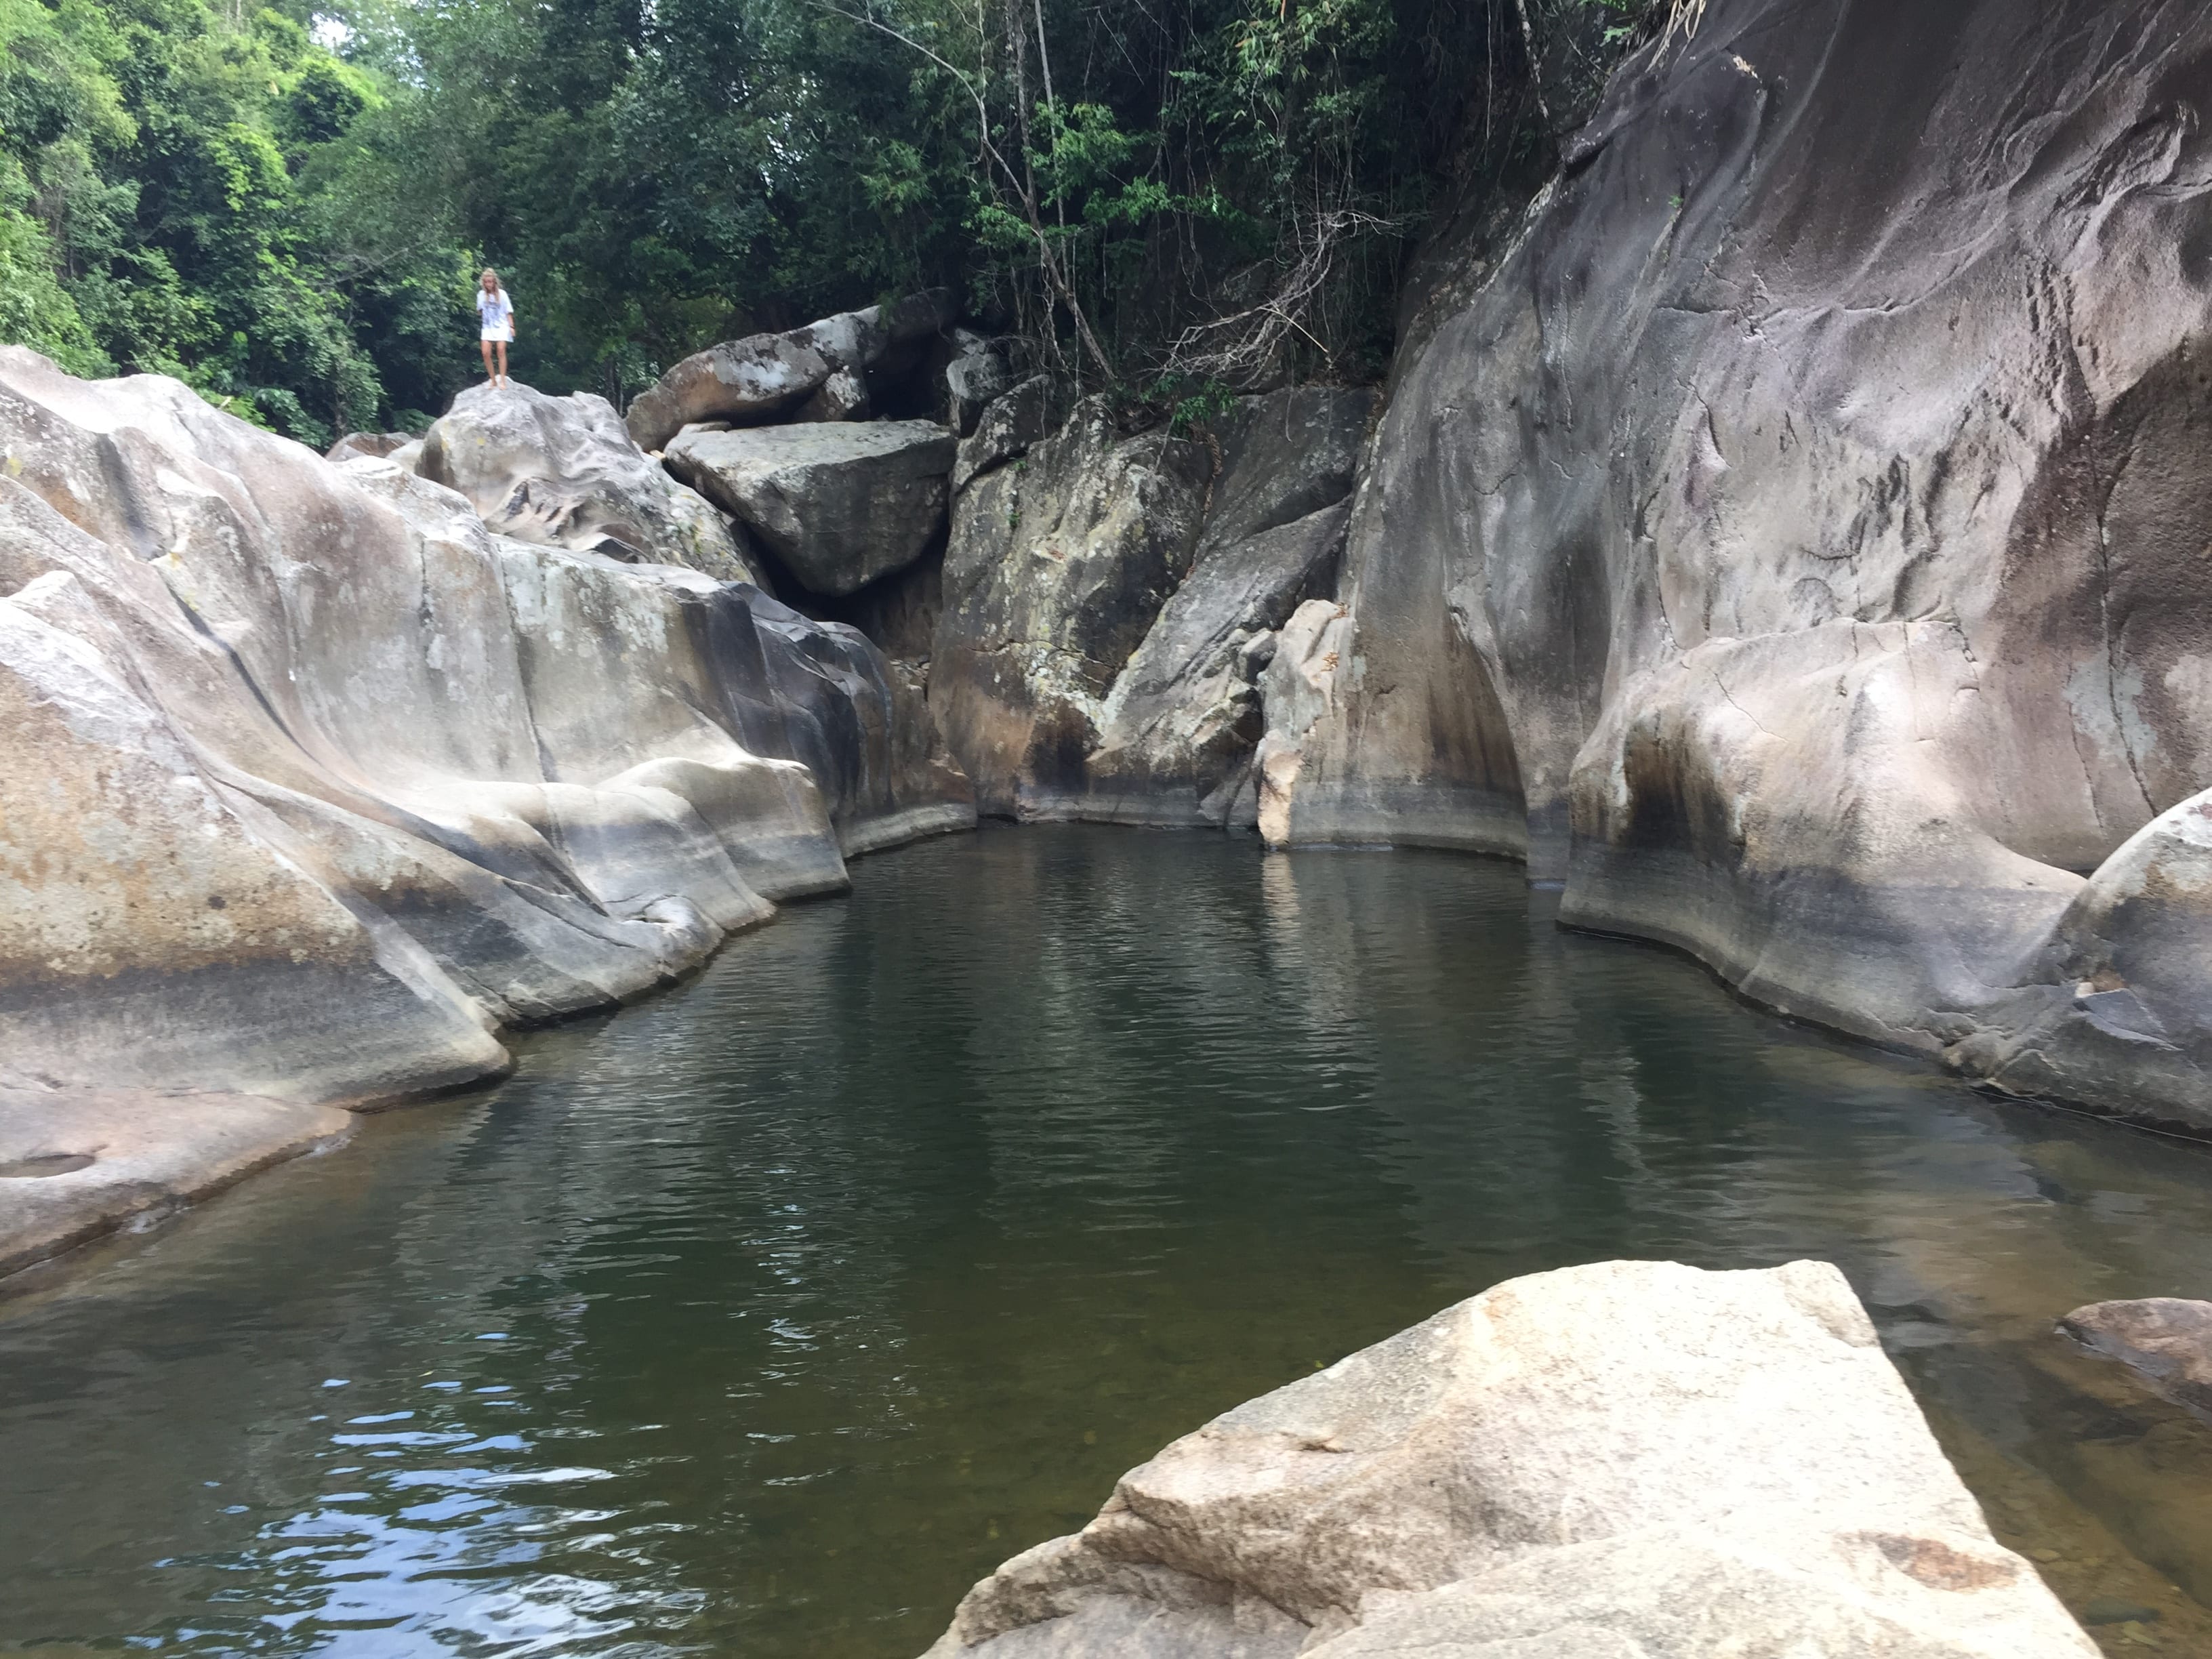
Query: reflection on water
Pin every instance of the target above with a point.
(763, 1317)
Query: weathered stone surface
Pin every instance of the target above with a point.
(1055, 572)
(2167, 1339)
(564, 472)
(1028, 413)
(1298, 690)
(1170, 739)
(1176, 733)
(2116, 1009)
(838, 504)
(982, 369)
(765, 375)
(1631, 1459)
(1284, 457)
(308, 781)
(842, 397)
(1788, 543)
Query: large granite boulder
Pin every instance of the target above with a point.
(764, 376)
(377, 445)
(747, 380)
(1055, 570)
(564, 472)
(1793, 544)
(838, 504)
(1631, 1460)
(312, 781)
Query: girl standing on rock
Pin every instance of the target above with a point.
(496, 313)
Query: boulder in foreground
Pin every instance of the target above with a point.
(1631, 1460)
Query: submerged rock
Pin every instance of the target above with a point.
(2165, 1339)
(1631, 1459)
(74, 1165)
(312, 781)
(838, 504)
(564, 472)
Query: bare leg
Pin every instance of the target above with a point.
(503, 380)
(486, 357)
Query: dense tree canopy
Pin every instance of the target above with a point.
(287, 206)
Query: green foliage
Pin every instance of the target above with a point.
(286, 206)
(167, 204)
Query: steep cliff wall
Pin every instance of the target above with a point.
(1797, 543)
(309, 781)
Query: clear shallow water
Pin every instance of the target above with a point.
(763, 1317)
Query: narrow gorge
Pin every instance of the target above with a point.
(1782, 534)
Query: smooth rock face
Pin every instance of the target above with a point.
(1792, 542)
(1631, 1459)
(2167, 1339)
(1170, 739)
(838, 504)
(310, 781)
(564, 472)
(2117, 1006)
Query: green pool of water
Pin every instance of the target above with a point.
(763, 1317)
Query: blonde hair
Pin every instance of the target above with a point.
(488, 271)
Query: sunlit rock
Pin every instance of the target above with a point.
(1631, 1460)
